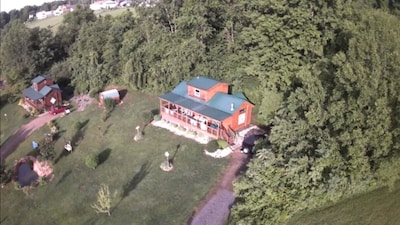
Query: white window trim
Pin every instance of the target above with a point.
(196, 92)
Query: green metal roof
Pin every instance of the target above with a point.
(204, 83)
(225, 102)
(219, 107)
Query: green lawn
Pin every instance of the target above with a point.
(145, 194)
(14, 119)
(54, 22)
(379, 207)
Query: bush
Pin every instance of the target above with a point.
(5, 175)
(157, 117)
(104, 115)
(212, 145)
(92, 161)
(94, 92)
(77, 125)
(147, 117)
(109, 104)
(222, 143)
(42, 181)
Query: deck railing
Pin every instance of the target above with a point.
(192, 123)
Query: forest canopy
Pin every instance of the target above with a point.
(325, 75)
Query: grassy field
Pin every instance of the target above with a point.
(379, 207)
(144, 193)
(54, 22)
(14, 119)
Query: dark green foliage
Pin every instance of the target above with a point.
(92, 161)
(222, 143)
(77, 125)
(5, 175)
(46, 150)
(323, 73)
(157, 117)
(146, 117)
(212, 145)
(109, 104)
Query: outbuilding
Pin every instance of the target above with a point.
(109, 94)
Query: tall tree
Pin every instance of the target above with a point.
(16, 62)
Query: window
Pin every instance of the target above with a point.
(197, 92)
(242, 111)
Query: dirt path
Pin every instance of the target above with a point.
(215, 208)
(24, 131)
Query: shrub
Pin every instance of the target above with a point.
(92, 161)
(94, 92)
(77, 125)
(5, 175)
(222, 143)
(157, 117)
(104, 200)
(212, 145)
(104, 115)
(181, 128)
(109, 104)
(42, 181)
(146, 117)
(192, 132)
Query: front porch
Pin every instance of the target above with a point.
(195, 121)
(191, 123)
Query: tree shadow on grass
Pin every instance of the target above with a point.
(103, 156)
(64, 176)
(63, 154)
(134, 182)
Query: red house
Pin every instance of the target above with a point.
(205, 106)
(43, 94)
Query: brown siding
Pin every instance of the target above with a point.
(233, 120)
(207, 95)
(220, 87)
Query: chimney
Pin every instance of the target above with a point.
(231, 106)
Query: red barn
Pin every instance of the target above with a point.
(205, 106)
(42, 94)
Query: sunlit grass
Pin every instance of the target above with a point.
(145, 194)
(379, 207)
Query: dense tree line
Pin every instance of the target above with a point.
(324, 74)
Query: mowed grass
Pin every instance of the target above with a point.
(14, 119)
(144, 193)
(379, 207)
(54, 22)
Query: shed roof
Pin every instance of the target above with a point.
(32, 94)
(113, 93)
(204, 83)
